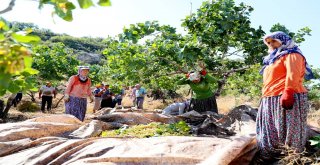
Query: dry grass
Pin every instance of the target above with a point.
(149, 103)
(226, 103)
(314, 118)
(291, 157)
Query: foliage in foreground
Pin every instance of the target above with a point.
(16, 73)
(150, 130)
(28, 106)
(315, 141)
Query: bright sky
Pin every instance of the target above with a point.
(101, 22)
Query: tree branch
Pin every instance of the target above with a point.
(9, 8)
(234, 53)
(226, 75)
(31, 94)
(58, 102)
(4, 113)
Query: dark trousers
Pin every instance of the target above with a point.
(109, 103)
(17, 99)
(48, 100)
(119, 101)
(140, 102)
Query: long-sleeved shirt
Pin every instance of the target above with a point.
(76, 88)
(202, 89)
(286, 72)
(140, 92)
(176, 108)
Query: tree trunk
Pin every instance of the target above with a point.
(4, 113)
(227, 74)
(58, 102)
(31, 94)
(1, 107)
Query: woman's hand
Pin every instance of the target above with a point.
(91, 98)
(203, 72)
(66, 98)
(202, 65)
(287, 99)
(187, 75)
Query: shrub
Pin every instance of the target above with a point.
(28, 106)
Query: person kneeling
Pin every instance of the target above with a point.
(176, 108)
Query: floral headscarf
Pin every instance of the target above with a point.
(82, 78)
(194, 76)
(288, 46)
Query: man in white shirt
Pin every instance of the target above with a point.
(176, 108)
(46, 93)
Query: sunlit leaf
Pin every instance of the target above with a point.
(27, 62)
(3, 26)
(314, 142)
(84, 4)
(2, 37)
(104, 2)
(31, 71)
(26, 38)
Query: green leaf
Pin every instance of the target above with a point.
(34, 89)
(84, 4)
(13, 87)
(2, 92)
(68, 16)
(70, 6)
(31, 71)
(104, 134)
(27, 62)
(26, 38)
(314, 142)
(3, 26)
(28, 30)
(104, 2)
(2, 37)
(4, 80)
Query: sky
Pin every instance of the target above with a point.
(109, 21)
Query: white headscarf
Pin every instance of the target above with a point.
(80, 68)
(194, 76)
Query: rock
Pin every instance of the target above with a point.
(94, 128)
(89, 58)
